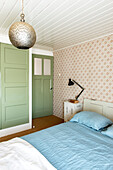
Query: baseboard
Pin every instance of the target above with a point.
(15, 129)
(58, 116)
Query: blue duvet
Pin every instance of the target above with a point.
(73, 146)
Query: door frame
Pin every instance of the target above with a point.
(42, 78)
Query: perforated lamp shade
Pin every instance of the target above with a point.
(21, 34)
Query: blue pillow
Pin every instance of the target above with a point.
(108, 132)
(91, 119)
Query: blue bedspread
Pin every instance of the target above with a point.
(72, 146)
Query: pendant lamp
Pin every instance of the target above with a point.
(21, 34)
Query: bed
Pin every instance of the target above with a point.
(72, 146)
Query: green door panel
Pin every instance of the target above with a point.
(15, 75)
(42, 94)
(14, 57)
(37, 97)
(15, 115)
(18, 93)
(15, 86)
(0, 93)
(48, 96)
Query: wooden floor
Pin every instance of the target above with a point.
(39, 124)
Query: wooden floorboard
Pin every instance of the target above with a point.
(39, 124)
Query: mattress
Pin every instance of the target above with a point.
(71, 146)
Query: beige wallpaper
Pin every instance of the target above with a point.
(91, 65)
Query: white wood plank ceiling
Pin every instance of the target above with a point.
(60, 23)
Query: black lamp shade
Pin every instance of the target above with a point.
(71, 83)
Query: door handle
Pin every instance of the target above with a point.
(51, 88)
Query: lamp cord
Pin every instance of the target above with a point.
(22, 6)
(22, 15)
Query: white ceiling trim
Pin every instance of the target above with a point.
(83, 42)
(42, 52)
(4, 39)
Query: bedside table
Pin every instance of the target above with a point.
(70, 109)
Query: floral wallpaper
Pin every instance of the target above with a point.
(91, 65)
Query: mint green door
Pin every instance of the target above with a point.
(0, 94)
(42, 85)
(15, 86)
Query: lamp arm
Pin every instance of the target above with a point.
(78, 84)
(79, 94)
(80, 87)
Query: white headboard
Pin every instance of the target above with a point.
(100, 107)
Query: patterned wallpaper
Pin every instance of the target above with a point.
(91, 65)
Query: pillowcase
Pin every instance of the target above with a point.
(91, 119)
(108, 131)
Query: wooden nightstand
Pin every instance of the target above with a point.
(70, 109)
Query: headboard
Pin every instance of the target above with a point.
(100, 107)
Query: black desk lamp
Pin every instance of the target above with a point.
(71, 83)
